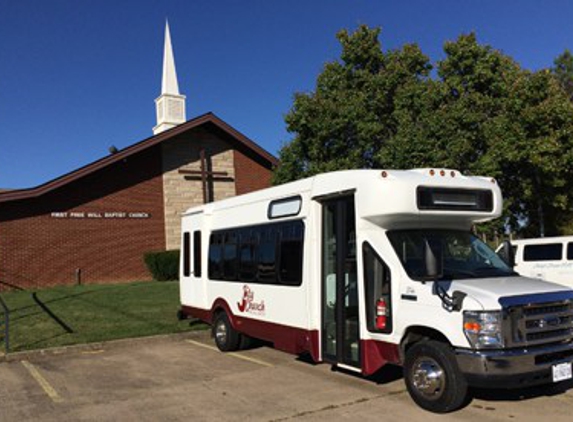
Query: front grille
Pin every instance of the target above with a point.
(542, 323)
(546, 309)
(553, 357)
(545, 335)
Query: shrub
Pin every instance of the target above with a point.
(163, 265)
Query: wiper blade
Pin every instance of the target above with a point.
(458, 272)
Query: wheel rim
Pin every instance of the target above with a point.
(428, 378)
(221, 332)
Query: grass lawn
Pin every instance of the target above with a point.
(93, 312)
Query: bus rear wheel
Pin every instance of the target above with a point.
(226, 337)
(433, 378)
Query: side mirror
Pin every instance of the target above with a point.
(433, 259)
(506, 253)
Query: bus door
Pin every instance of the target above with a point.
(340, 324)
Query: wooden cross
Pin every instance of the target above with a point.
(207, 176)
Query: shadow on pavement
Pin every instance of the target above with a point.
(548, 390)
(387, 374)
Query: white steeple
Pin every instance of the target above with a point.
(170, 105)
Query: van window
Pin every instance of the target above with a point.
(377, 287)
(230, 256)
(186, 254)
(248, 255)
(197, 253)
(285, 207)
(547, 252)
(290, 261)
(464, 255)
(267, 254)
(570, 251)
(216, 257)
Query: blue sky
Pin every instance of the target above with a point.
(79, 76)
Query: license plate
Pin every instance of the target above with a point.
(562, 371)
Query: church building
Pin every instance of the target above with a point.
(94, 224)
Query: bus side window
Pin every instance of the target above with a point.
(197, 253)
(267, 255)
(570, 251)
(215, 257)
(378, 291)
(291, 254)
(186, 254)
(230, 256)
(248, 255)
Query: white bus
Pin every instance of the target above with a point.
(364, 268)
(548, 258)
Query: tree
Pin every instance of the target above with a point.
(349, 116)
(534, 156)
(497, 119)
(448, 123)
(481, 114)
(563, 71)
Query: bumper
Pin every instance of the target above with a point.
(512, 368)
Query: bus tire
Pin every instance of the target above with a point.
(226, 337)
(245, 342)
(433, 378)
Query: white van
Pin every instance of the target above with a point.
(548, 258)
(365, 268)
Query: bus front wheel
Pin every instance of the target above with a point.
(433, 378)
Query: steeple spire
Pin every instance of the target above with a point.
(169, 83)
(170, 105)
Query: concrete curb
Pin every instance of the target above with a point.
(102, 345)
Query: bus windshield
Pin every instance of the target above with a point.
(464, 255)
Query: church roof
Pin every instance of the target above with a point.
(208, 119)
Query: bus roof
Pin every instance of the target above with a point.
(396, 189)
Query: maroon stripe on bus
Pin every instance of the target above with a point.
(375, 354)
(284, 337)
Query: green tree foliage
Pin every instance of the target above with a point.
(345, 122)
(563, 70)
(481, 114)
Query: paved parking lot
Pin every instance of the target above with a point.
(186, 378)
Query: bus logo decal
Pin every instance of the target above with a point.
(247, 303)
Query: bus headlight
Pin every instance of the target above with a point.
(483, 329)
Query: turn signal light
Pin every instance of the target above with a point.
(472, 326)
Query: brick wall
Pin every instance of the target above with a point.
(182, 192)
(37, 249)
(251, 173)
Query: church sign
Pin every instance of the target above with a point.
(102, 215)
